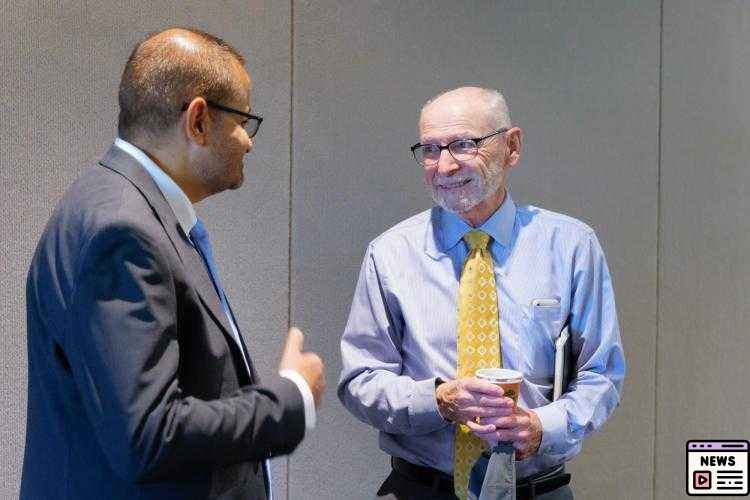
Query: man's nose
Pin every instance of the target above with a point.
(249, 145)
(447, 165)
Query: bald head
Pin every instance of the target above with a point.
(489, 102)
(167, 70)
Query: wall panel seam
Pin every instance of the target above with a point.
(291, 201)
(660, 94)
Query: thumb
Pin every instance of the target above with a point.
(295, 340)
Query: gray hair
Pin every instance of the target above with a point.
(495, 104)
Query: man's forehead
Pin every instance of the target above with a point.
(242, 77)
(460, 98)
(240, 74)
(454, 114)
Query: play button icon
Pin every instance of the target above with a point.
(702, 480)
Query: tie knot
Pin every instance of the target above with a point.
(477, 240)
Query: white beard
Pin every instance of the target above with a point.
(465, 198)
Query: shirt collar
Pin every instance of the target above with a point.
(499, 225)
(176, 197)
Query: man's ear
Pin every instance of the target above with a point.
(197, 121)
(514, 141)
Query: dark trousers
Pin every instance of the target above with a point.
(398, 486)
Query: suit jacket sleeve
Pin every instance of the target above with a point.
(124, 354)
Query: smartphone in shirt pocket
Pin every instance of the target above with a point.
(547, 311)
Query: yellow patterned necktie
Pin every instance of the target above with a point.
(478, 342)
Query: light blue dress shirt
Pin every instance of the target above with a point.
(401, 332)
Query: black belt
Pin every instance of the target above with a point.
(435, 479)
(542, 482)
(528, 487)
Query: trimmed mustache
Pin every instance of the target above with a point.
(451, 181)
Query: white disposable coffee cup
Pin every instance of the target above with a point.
(509, 380)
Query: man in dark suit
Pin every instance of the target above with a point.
(140, 385)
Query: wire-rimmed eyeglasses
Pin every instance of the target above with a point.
(460, 149)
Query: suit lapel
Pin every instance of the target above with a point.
(125, 165)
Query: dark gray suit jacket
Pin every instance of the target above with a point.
(136, 388)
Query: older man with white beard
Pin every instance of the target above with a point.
(478, 281)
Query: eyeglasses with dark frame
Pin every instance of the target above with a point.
(460, 149)
(253, 121)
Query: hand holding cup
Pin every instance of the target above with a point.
(521, 427)
(466, 398)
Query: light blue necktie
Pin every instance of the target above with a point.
(199, 235)
(202, 243)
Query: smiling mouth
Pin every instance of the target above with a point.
(455, 185)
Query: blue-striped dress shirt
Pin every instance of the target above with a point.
(401, 332)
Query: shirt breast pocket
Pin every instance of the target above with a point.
(546, 315)
(529, 339)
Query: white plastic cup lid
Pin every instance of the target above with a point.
(497, 375)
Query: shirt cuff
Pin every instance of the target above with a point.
(554, 421)
(307, 395)
(423, 410)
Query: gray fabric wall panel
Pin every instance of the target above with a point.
(40, 76)
(62, 63)
(704, 274)
(583, 82)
